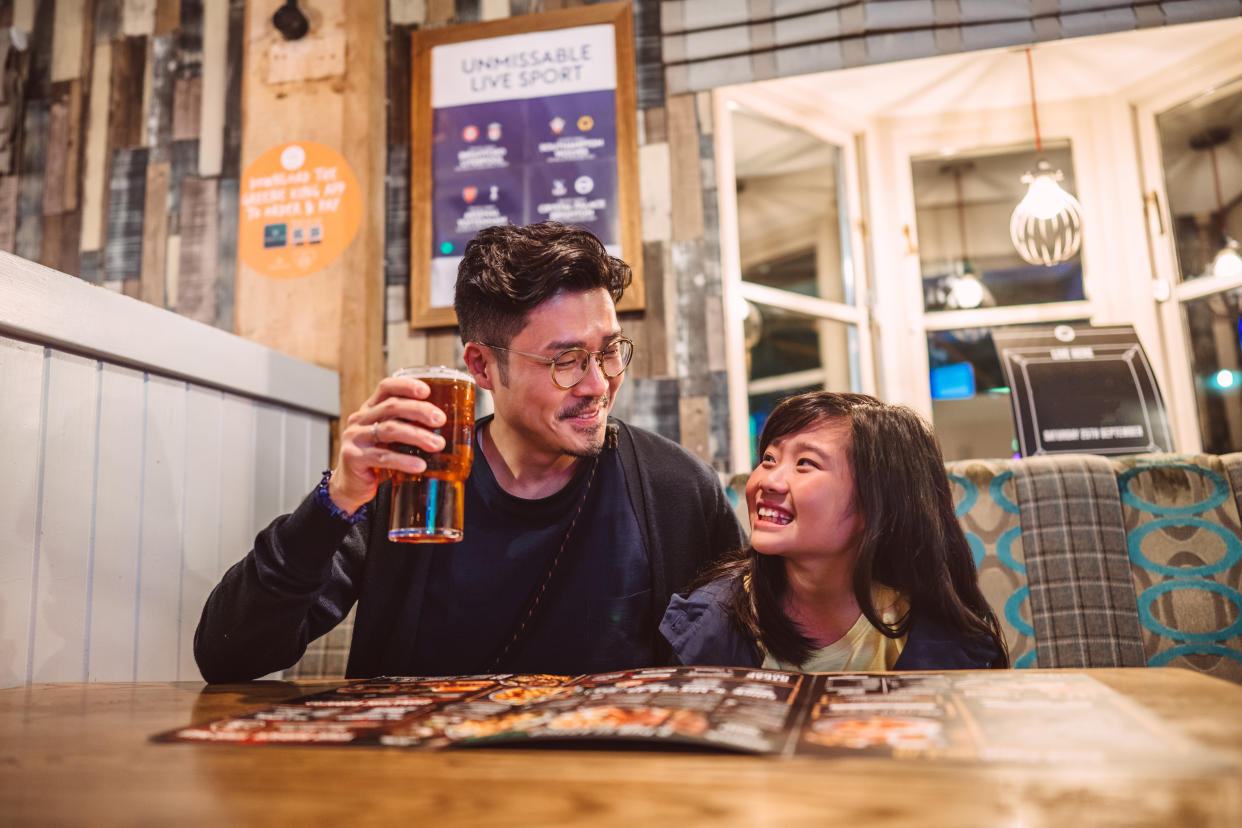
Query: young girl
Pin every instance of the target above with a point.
(856, 560)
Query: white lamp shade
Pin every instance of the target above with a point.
(1228, 262)
(1046, 226)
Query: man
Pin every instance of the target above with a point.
(578, 527)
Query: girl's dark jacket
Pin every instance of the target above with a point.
(701, 632)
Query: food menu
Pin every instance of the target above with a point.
(1007, 716)
(1001, 716)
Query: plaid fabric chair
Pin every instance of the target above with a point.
(1093, 561)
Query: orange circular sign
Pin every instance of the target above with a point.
(300, 208)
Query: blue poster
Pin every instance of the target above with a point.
(582, 193)
(465, 203)
(479, 137)
(518, 162)
(579, 127)
(524, 129)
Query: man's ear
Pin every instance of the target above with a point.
(481, 363)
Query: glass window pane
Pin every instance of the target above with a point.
(788, 353)
(970, 400)
(962, 206)
(1214, 325)
(971, 409)
(1201, 151)
(792, 223)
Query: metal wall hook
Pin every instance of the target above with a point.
(290, 21)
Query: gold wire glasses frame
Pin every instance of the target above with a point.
(570, 366)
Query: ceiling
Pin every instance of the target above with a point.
(1067, 69)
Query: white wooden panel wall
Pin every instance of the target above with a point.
(117, 527)
(126, 492)
(130, 494)
(21, 372)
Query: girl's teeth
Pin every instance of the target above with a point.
(774, 517)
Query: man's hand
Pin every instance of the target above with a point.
(398, 412)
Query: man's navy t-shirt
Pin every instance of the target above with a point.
(592, 617)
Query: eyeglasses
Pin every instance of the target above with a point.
(570, 366)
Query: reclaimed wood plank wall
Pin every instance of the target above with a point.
(326, 88)
(115, 103)
(131, 146)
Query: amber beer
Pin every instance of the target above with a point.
(428, 507)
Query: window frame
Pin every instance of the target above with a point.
(844, 132)
(1187, 81)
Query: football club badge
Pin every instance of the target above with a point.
(586, 123)
(493, 131)
(469, 194)
(558, 187)
(583, 184)
(470, 134)
(557, 124)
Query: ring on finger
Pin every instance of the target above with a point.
(375, 433)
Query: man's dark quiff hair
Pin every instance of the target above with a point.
(507, 271)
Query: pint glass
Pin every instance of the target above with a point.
(428, 507)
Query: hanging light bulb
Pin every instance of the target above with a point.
(1046, 226)
(1227, 263)
(965, 290)
(1228, 260)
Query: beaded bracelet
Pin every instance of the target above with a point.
(322, 498)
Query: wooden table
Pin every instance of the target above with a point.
(78, 754)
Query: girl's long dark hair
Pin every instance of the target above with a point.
(911, 539)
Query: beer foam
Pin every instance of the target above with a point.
(434, 372)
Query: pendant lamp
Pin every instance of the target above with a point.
(965, 289)
(1046, 226)
(1227, 262)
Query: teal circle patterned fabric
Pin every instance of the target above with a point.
(1185, 544)
(1149, 595)
(1220, 490)
(999, 493)
(1233, 548)
(987, 510)
(970, 495)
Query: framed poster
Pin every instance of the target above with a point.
(1079, 389)
(531, 118)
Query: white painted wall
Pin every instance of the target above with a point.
(139, 453)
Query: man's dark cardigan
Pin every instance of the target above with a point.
(309, 567)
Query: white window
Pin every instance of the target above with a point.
(893, 286)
